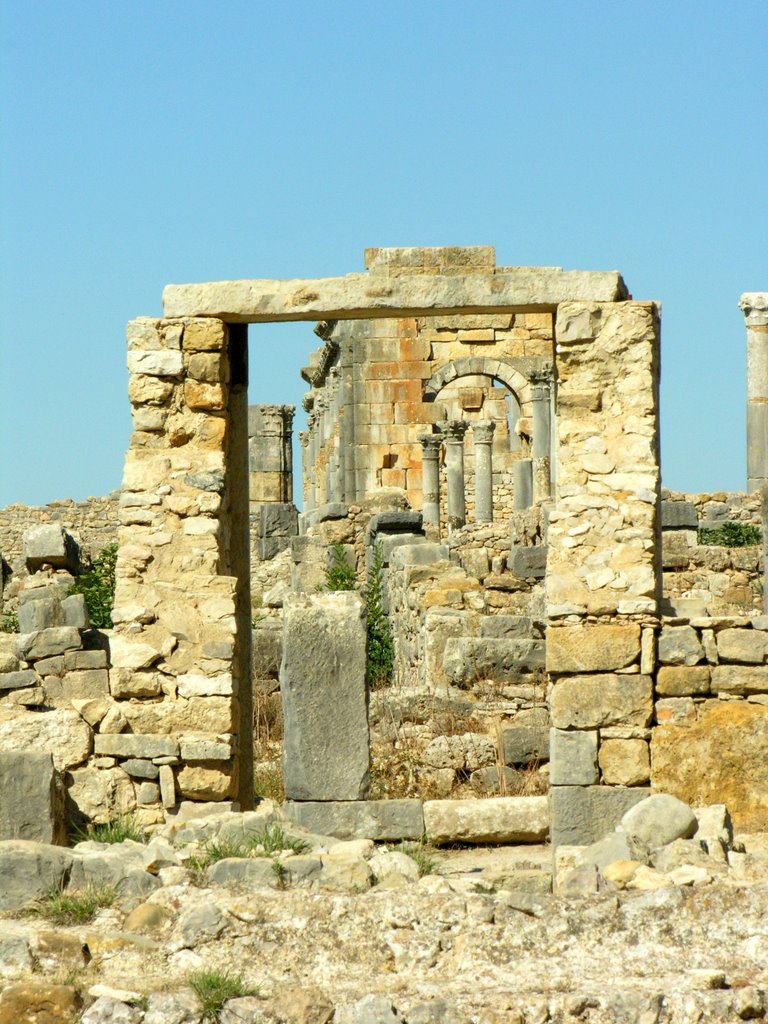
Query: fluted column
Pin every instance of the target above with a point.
(430, 475)
(482, 433)
(454, 464)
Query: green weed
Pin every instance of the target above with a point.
(214, 988)
(115, 831)
(76, 907)
(731, 535)
(97, 586)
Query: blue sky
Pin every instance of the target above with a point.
(146, 143)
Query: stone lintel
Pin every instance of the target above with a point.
(358, 296)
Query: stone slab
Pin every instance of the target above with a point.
(528, 563)
(595, 701)
(592, 648)
(381, 820)
(323, 685)
(583, 814)
(132, 745)
(573, 758)
(31, 803)
(358, 296)
(501, 819)
(679, 515)
(49, 544)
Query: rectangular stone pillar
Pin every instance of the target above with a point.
(754, 305)
(325, 703)
(603, 581)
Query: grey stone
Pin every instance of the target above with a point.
(659, 820)
(324, 513)
(50, 544)
(47, 643)
(396, 521)
(28, 870)
(208, 748)
(435, 1012)
(81, 660)
(31, 799)
(679, 515)
(15, 955)
(507, 627)
(390, 543)
(140, 769)
(106, 1010)
(244, 1010)
(135, 745)
(209, 481)
(323, 686)
(202, 923)
(528, 563)
(679, 645)
(615, 846)
(583, 814)
(40, 614)
(467, 660)
(18, 680)
(105, 866)
(255, 871)
(423, 553)
(302, 868)
(494, 781)
(715, 824)
(148, 793)
(167, 786)
(75, 611)
(573, 758)
(381, 820)
(52, 666)
(522, 744)
(179, 1008)
(371, 1009)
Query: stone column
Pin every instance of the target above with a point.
(522, 482)
(482, 432)
(430, 471)
(454, 463)
(542, 437)
(304, 442)
(754, 305)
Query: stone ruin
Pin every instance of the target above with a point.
(494, 431)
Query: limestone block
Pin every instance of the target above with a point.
(528, 563)
(75, 660)
(679, 515)
(508, 627)
(742, 645)
(92, 710)
(61, 731)
(205, 748)
(583, 814)
(29, 870)
(467, 660)
(100, 794)
(523, 819)
(18, 680)
(589, 702)
(156, 363)
(573, 758)
(31, 801)
(737, 679)
(167, 786)
(592, 648)
(381, 820)
(675, 709)
(523, 744)
(720, 758)
(130, 654)
(211, 714)
(125, 682)
(140, 768)
(75, 611)
(659, 820)
(212, 367)
(47, 643)
(133, 745)
(85, 685)
(114, 721)
(192, 684)
(203, 782)
(40, 614)
(323, 686)
(204, 397)
(683, 681)
(625, 762)
(50, 544)
(679, 645)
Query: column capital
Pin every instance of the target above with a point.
(431, 443)
(303, 438)
(482, 431)
(454, 430)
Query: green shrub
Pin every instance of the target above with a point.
(115, 831)
(731, 535)
(9, 623)
(214, 988)
(381, 648)
(97, 586)
(269, 841)
(77, 907)
(340, 575)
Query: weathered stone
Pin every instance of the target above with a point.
(106, 1010)
(592, 648)
(193, 684)
(200, 782)
(49, 544)
(114, 721)
(28, 870)
(679, 645)
(18, 680)
(740, 679)
(381, 820)
(100, 794)
(147, 793)
(61, 731)
(522, 744)
(583, 814)
(79, 660)
(573, 758)
(140, 769)
(47, 642)
(682, 680)
(31, 800)
(157, 363)
(721, 758)
(125, 682)
(589, 702)
(167, 786)
(39, 1002)
(133, 745)
(130, 654)
(205, 748)
(742, 645)
(40, 614)
(679, 515)
(625, 762)
(467, 660)
(495, 820)
(659, 820)
(323, 686)
(507, 627)
(75, 611)
(257, 872)
(528, 563)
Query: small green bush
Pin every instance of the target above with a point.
(9, 623)
(97, 585)
(115, 831)
(77, 907)
(731, 535)
(381, 648)
(340, 575)
(214, 988)
(266, 843)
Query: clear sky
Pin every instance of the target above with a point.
(144, 143)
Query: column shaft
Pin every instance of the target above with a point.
(482, 432)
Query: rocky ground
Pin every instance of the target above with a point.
(354, 934)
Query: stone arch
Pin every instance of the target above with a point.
(469, 366)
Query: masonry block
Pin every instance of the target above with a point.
(581, 815)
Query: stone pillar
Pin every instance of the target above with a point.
(454, 463)
(522, 483)
(182, 602)
(542, 437)
(304, 442)
(270, 435)
(482, 432)
(754, 305)
(603, 580)
(430, 474)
